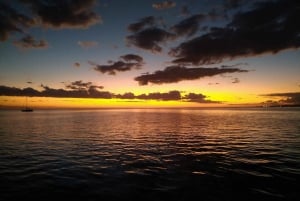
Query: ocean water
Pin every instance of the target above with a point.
(150, 154)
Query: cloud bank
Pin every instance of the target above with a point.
(269, 27)
(64, 13)
(188, 26)
(12, 21)
(292, 98)
(173, 74)
(141, 24)
(57, 14)
(28, 42)
(126, 63)
(80, 89)
(150, 39)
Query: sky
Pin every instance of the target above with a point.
(149, 53)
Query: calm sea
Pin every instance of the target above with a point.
(150, 154)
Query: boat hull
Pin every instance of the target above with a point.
(27, 110)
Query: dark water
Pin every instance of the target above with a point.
(140, 154)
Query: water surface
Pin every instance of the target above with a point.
(148, 154)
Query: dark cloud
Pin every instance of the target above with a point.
(13, 91)
(141, 24)
(174, 74)
(150, 39)
(292, 98)
(270, 103)
(91, 92)
(126, 63)
(12, 21)
(132, 57)
(54, 14)
(128, 95)
(77, 89)
(28, 42)
(164, 5)
(199, 98)
(61, 93)
(95, 93)
(116, 66)
(76, 64)
(188, 26)
(171, 95)
(235, 80)
(91, 89)
(8, 91)
(87, 44)
(235, 65)
(80, 85)
(269, 27)
(147, 34)
(64, 13)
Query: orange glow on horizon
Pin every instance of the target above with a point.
(52, 103)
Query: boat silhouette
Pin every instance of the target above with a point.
(27, 109)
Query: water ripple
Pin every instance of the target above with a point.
(150, 155)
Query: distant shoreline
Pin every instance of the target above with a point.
(3, 108)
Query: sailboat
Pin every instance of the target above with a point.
(27, 109)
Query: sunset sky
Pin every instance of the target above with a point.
(149, 53)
